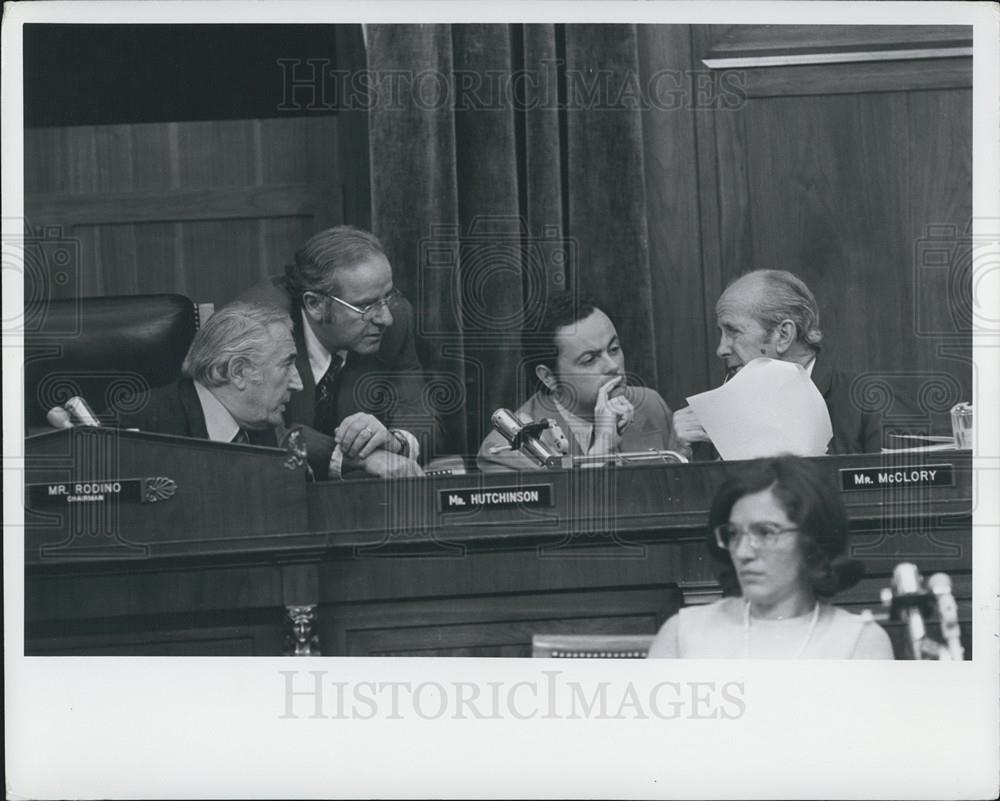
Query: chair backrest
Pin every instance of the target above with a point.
(104, 349)
(591, 646)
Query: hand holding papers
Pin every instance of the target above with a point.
(769, 407)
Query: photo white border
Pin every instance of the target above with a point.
(126, 727)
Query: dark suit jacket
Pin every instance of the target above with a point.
(388, 384)
(854, 430)
(651, 427)
(175, 409)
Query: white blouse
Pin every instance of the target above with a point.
(723, 630)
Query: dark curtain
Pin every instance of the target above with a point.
(507, 163)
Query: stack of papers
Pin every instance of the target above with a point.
(938, 444)
(768, 408)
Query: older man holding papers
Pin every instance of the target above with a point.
(773, 314)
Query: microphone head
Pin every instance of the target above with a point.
(939, 584)
(507, 424)
(906, 579)
(58, 417)
(81, 412)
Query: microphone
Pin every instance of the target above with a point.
(908, 595)
(524, 436)
(81, 413)
(58, 417)
(940, 585)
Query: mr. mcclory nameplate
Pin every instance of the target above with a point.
(922, 475)
(142, 490)
(470, 500)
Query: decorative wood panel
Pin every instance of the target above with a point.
(838, 173)
(199, 208)
(492, 626)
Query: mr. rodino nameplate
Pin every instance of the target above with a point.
(140, 490)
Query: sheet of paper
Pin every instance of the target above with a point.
(768, 408)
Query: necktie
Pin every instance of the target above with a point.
(241, 438)
(325, 419)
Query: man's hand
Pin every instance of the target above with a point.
(361, 434)
(687, 427)
(611, 416)
(384, 464)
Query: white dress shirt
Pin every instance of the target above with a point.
(221, 425)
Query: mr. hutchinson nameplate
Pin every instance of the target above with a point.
(920, 475)
(468, 500)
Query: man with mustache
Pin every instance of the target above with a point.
(579, 365)
(356, 353)
(773, 313)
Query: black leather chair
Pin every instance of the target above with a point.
(107, 350)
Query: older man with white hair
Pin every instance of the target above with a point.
(772, 313)
(236, 379)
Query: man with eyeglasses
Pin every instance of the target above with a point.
(356, 353)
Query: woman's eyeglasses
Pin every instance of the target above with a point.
(760, 535)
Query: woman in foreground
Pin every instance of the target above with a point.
(781, 530)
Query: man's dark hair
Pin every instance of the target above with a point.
(561, 309)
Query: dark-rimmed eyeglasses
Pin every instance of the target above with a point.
(760, 535)
(367, 312)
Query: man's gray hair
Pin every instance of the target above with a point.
(784, 296)
(238, 331)
(319, 259)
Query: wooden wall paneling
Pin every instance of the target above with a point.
(734, 40)
(480, 626)
(217, 154)
(155, 157)
(224, 203)
(150, 594)
(829, 186)
(375, 578)
(884, 76)
(183, 207)
(939, 140)
(113, 163)
(940, 133)
(672, 217)
(61, 159)
(230, 641)
(281, 158)
(837, 185)
(219, 257)
(323, 170)
(159, 259)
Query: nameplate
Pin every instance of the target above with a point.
(136, 490)
(470, 500)
(922, 475)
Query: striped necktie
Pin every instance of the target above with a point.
(241, 438)
(325, 418)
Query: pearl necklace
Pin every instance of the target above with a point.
(805, 642)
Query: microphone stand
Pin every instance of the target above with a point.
(526, 437)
